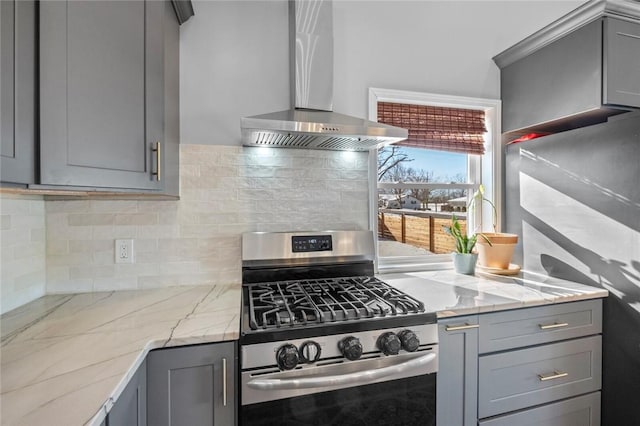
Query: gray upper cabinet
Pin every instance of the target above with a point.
(102, 93)
(192, 385)
(17, 91)
(622, 63)
(576, 72)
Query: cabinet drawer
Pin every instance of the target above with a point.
(534, 326)
(523, 378)
(581, 411)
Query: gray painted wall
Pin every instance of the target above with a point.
(234, 55)
(574, 199)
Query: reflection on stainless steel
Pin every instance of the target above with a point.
(333, 372)
(317, 325)
(310, 123)
(368, 374)
(263, 249)
(308, 302)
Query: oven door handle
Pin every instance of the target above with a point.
(356, 378)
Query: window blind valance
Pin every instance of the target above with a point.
(432, 127)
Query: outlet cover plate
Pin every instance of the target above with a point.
(124, 251)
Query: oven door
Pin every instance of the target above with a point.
(395, 390)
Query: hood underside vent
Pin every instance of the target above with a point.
(317, 130)
(292, 140)
(310, 123)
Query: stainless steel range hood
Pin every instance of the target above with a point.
(311, 123)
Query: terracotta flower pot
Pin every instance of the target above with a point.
(499, 254)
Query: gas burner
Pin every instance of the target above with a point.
(299, 303)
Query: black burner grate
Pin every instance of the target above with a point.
(304, 302)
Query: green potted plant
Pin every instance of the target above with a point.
(464, 260)
(495, 249)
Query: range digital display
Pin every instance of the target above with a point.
(304, 244)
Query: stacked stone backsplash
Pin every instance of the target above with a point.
(225, 191)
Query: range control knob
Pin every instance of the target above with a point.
(389, 344)
(409, 340)
(287, 357)
(350, 347)
(310, 352)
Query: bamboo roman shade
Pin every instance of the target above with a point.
(431, 127)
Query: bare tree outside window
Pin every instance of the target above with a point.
(389, 157)
(427, 177)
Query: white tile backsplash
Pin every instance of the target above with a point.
(225, 191)
(23, 250)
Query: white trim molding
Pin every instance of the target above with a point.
(587, 13)
(487, 171)
(491, 164)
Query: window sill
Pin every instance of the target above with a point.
(414, 264)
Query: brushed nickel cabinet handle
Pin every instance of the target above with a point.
(555, 375)
(157, 173)
(224, 382)
(552, 326)
(461, 327)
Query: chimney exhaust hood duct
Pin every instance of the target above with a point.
(311, 124)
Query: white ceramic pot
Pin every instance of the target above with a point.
(464, 263)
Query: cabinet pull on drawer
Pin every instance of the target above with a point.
(552, 326)
(555, 375)
(461, 327)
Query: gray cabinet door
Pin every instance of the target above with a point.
(581, 411)
(559, 80)
(513, 380)
(457, 371)
(130, 408)
(192, 385)
(544, 324)
(17, 90)
(622, 63)
(101, 92)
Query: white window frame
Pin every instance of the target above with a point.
(486, 170)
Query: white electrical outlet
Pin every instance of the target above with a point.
(124, 251)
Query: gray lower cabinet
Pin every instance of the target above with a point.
(517, 379)
(192, 385)
(580, 411)
(17, 91)
(103, 77)
(458, 371)
(130, 409)
(540, 365)
(544, 324)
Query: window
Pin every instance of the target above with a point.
(417, 184)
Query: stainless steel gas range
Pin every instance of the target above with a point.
(325, 342)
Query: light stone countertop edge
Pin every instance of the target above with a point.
(84, 348)
(103, 411)
(209, 314)
(452, 295)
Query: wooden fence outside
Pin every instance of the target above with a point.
(419, 229)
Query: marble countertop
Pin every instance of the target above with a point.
(66, 358)
(452, 294)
